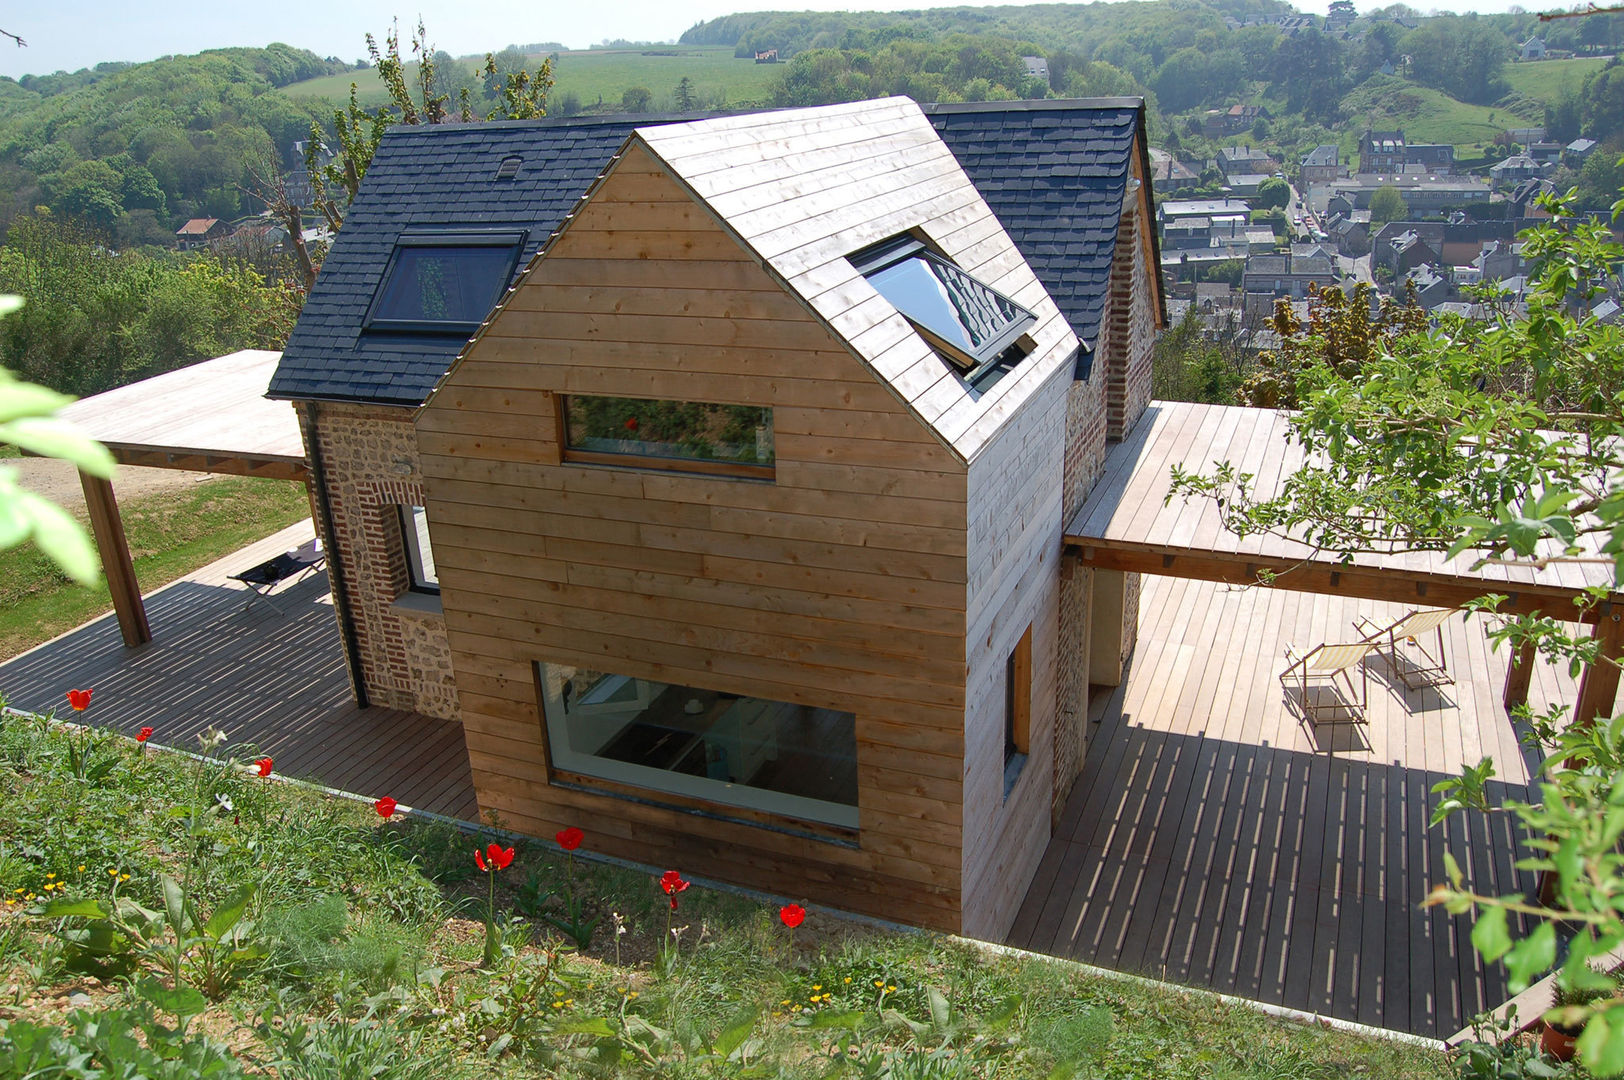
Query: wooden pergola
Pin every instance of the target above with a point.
(1129, 523)
(210, 417)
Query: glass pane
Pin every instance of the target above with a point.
(444, 284)
(794, 760)
(414, 526)
(671, 429)
(948, 302)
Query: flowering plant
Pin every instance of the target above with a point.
(573, 923)
(385, 807)
(495, 857)
(264, 766)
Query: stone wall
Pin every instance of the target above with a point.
(369, 463)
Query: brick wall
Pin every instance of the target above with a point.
(1129, 330)
(370, 465)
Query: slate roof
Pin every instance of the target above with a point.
(1054, 173)
(1321, 156)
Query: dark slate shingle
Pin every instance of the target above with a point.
(1054, 172)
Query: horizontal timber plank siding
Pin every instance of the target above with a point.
(841, 583)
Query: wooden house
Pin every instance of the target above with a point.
(744, 505)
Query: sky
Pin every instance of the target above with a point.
(81, 33)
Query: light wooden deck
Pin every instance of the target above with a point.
(272, 680)
(1216, 840)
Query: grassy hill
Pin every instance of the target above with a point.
(1426, 115)
(1549, 80)
(590, 74)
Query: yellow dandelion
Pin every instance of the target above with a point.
(817, 986)
(80, 868)
(558, 1004)
(48, 877)
(891, 989)
(848, 978)
(569, 1001)
(634, 993)
(113, 871)
(124, 877)
(20, 889)
(785, 1002)
(880, 983)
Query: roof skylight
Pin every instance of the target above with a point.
(444, 283)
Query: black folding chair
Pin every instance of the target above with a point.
(295, 565)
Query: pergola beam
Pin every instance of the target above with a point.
(108, 528)
(1598, 687)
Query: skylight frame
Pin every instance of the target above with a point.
(994, 356)
(511, 239)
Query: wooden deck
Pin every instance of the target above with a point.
(272, 680)
(1216, 840)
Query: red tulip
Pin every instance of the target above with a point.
(631, 424)
(569, 839)
(500, 857)
(385, 807)
(143, 735)
(79, 699)
(672, 883)
(264, 766)
(792, 915)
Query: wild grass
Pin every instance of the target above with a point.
(1426, 115)
(170, 534)
(360, 957)
(1550, 80)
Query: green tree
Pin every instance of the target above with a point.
(684, 94)
(1272, 194)
(1387, 204)
(1461, 55)
(636, 99)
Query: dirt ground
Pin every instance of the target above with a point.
(59, 481)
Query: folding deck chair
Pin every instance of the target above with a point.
(293, 565)
(1328, 667)
(1417, 667)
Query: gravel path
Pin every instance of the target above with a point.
(59, 481)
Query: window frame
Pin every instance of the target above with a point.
(413, 553)
(1017, 709)
(513, 239)
(736, 470)
(979, 368)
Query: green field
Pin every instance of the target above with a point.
(719, 80)
(1425, 115)
(1548, 80)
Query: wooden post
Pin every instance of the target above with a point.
(115, 558)
(1598, 687)
(1518, 676)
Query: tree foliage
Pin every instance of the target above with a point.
(1387, 204)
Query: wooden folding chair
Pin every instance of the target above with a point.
(1416, 666)
(261, 580)
(1328, 668)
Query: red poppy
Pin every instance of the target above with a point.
(79, 699)
(672, 883)
(385, 807)
(264, 766)
(569, 839)
(500, 857)
(792, 914)
(631, 424)
(143, 735)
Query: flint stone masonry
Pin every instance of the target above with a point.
(371, 469)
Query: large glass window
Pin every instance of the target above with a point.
(975, 327)
(793, 760)
(734, 440)
(414, 532)
(444, 282)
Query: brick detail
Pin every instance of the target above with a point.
(370, 464)
(1129, 330)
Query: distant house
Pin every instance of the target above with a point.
(1524, 199)
(767, 56)
(1244, 160)
(1388, 152)
(1546, 153)
(1037, 67)
(1577, 152)
(1351, 234)
(1401, 252)
(1168, 172)
(200, 232)
(1271, 277)
(1430, 285)
(1532, 49)
(1245, 185)
(1526, 135)
(1515, 169)
(1233, 120)
(1424, 193)
(1321, 166)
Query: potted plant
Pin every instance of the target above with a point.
(1561, 1033)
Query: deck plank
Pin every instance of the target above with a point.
(1218, 840)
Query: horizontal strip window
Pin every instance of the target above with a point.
(444, 283)
(686, 436)
(793, 761)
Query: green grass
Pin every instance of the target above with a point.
(1550, 80)
(718, 79)
(361, 943)
(1425, 114)
(170, 535)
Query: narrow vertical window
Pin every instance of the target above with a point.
(414, 532)
(1017, 708)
